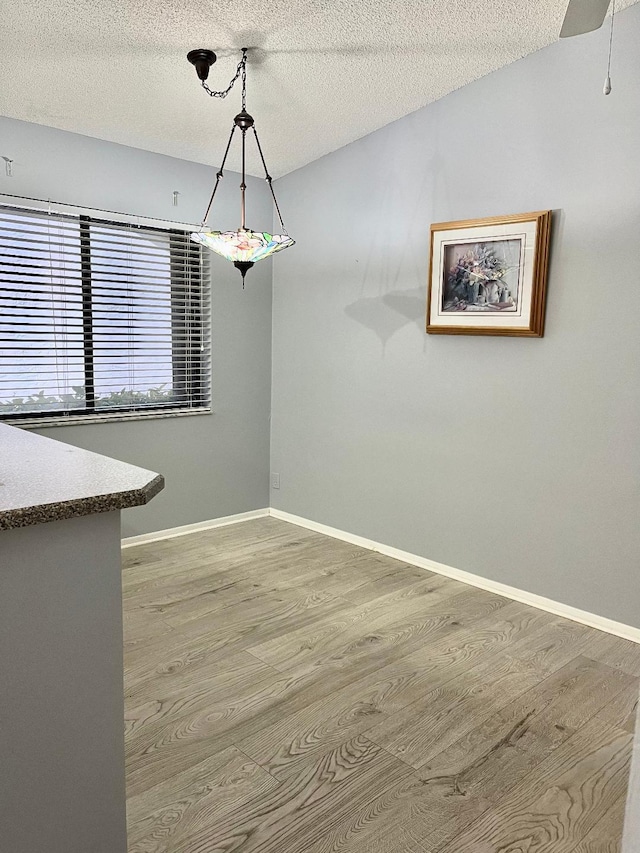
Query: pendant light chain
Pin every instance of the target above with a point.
(243, 62)
(240, 70)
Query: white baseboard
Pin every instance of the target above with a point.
(172, 532)
(610, 626)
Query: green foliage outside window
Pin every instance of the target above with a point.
(125, 398)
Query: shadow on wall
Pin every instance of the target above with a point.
(386, 315)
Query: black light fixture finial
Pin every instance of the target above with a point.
(244, 267)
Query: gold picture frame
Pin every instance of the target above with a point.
(489, 276)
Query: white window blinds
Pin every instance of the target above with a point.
(100, 318)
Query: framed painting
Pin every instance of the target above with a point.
(489, 276)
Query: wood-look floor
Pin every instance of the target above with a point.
(290, 693)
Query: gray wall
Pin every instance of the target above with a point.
(62, 785)
(217, 464)
(516, 459)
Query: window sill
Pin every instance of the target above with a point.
(120, 417)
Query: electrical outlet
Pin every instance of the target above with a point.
(275, 481)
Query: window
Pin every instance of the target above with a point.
(100, 318)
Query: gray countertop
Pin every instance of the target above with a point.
(44, 480)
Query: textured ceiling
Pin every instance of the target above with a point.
(321, 72)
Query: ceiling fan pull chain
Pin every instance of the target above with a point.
(607, 83)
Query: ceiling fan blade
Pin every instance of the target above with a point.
(583, 16)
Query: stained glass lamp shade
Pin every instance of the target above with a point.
(244, 246)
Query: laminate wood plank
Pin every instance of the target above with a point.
(186, 692)
(398, 577)
(161, 747)
(346, 578)
(343, 641)
(594, 688)
(414, 666)
(241, 627)
(170, 739)
(161, 819)
(485, 764)
(426, 607)
(140, 627)
(233, 629)
(563, 641)
(209, 544)
(606, 835)
(372, 834)
(225, 585)
(170, 743)
(141, 559)
(306, 806)
(206, 597)
(467, 635)
(399, 817)
(289, 559)
(221, 549)
(193, 581)
(242, 612)
(286, 565)
(533, 725)
(304, 563)
(181, 574)
(621, 710)
(315, 729)
(615, 651)
(554, 809)
(156, 660)
(431, 724)
(250, 598)
(190, 566)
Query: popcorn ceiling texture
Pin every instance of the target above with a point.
(322, 72)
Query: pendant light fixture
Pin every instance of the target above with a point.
(242, 247)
